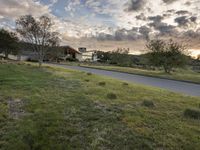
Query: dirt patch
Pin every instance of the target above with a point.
(16, 108)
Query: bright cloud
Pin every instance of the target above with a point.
(110, 20)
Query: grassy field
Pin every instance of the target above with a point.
(179, 74)
(56, 109)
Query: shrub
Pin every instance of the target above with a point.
(192, 113)
(102, 83)
(87, 80)
(125, 83)
(111, 96)
(89, 73)
(148, 103)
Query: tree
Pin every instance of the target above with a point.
(37, 32)
(8, 42)
(120, 57)
(198, 57)
(55, 53)
(168, 55)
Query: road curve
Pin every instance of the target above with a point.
(175, 86)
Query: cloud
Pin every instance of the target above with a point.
(135, 5)
(182, 12)
(14, 8)
(141, 17)
(169, 1)
(109, 20)
(163, 28)
(157, 18)
(185, 21)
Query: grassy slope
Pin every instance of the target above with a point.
(180, 74)
(69, 110)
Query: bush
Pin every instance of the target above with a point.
(89, 73)
(70, 59)
(148, 103)
(125, 83)
(111, 96)
(192, 113)
(87, 80)
(102, 83)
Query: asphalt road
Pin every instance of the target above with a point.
(175, 86)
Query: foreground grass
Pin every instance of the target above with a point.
(53, 108)
(179, 74)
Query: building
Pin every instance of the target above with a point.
(69, 52)
(90, 55)
(61, 53)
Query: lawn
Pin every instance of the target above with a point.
(180, 74)
(55, 109)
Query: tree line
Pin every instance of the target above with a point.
(163, 54)
(39, 35)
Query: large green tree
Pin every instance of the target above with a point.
(37, 32)
(8, 42)
(168, 55)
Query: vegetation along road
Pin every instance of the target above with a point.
(176, 86)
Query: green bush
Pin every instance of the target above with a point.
(111, 96)
(125, 83)
(102, 83)
(192, 113)
(89, 73)
(87, 80)
(148, 103)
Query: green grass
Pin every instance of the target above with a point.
(179, 74)
(63, 109)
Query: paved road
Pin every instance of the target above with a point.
(175, 86)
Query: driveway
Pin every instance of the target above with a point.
(175, 86)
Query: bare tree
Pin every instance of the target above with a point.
(37, 32)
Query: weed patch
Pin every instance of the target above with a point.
(148, 103)
(125, 84)
(111, 96)
(102, 83)
(192, 113)
(89, 73)
(15, 108)
(87, 80)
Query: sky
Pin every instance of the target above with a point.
(110, 24)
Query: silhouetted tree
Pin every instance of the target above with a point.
(120, 57)
(168, 55)
(37, 32)
(8, 42)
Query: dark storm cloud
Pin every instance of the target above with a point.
(169, 1)
(171, 11)
(157, 18)
(135, 5)
(188, 3)
(182, 12)
(144, 31)
(192, 33)
(160, 26)
(163, 28)
(184, 20)
(193, 19)
(141, 17)
(124, 34)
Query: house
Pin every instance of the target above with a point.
(70, 53)
(90, 55)
(61, 53)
